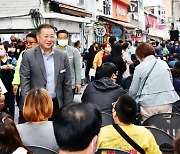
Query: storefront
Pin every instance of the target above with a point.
(118, 25)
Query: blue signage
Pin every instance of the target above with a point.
(116, 31)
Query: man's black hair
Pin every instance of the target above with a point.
(76, 43)
(44, 26)
(33, 35)
(76, 125)
(105, 70)
(112, 39)
(126, 109)
(62, 31)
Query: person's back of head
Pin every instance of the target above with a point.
(38, 105)
(76, 128)
(132, 68)
(116, 50)
(112, 39)
(9, 137)
(77, 44)
(125, 45)
(125, 109)
(105, 70)
(176, 70)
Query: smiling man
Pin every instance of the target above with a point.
(46, 67)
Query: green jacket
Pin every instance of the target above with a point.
(16, 79)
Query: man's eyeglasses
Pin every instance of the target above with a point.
(30, 42)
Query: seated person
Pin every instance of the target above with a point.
(76, 128)
(124, 112)
(38, 107)
(10, 141)
(103, 91)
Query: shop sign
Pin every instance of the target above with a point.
(120, 11)
(116, 31)
(133, 6)
(100, 31)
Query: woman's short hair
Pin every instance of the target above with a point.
(38, 105)
(144, 49)
(126, 109)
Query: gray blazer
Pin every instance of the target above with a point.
(75, 64)
(33, 74)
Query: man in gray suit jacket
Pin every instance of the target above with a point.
(46, 67)
(74, 59)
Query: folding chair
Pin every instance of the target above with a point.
(106, 119)
(41, 150)
(169, 122)
(175, 109)
(163, 139)
(110, 151)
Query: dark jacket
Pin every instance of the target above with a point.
(119, 63)
(103, 93)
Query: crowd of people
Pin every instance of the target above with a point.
(44, 77)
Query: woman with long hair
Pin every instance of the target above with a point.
(10, 141)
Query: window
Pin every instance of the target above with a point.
(107, 7)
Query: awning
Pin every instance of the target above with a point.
(72, 10)
(115, 21)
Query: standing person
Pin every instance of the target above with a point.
(100, 56)
(116, 58)
(2, 96)
(7, 66)
(77, 45)
(165, 51)
(46, 67)
(31, 41)
(151, 85)
(74, 59)
(126, 58)
(90, 58)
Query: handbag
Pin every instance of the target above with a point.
(128, 139)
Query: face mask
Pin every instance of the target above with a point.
(2, 53)
(63, 42)
(12, 49)
(108, 50)
(92, 146)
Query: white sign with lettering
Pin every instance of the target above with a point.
(120, 11)
(100, 31)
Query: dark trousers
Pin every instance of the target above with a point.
(9, 103)
(55, 109)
